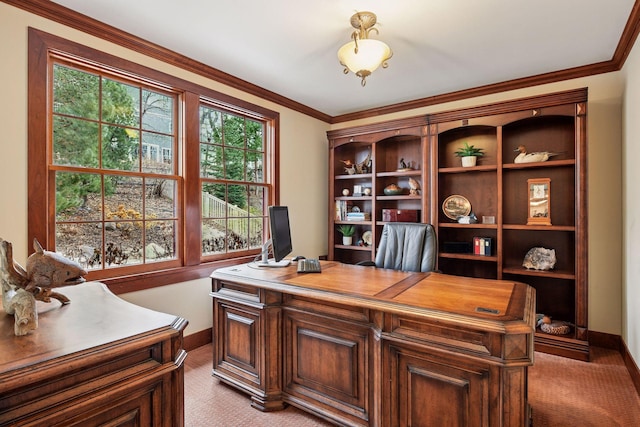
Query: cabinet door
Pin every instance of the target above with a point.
(236, 351)
(326, 365)
(433, 390)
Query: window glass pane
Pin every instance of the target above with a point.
(120, 148)
(258, 220)
(161, 240)
(123, 198)
(211, 165)
(237, 234)
(156, 150)
(160, 198)
(75, 92)
(157, 112)
(255, 135)
(78, 197)
(213, 236)
(210, 125)
(233, 131)
(255, 165)
(120, 103)
(237, 198)
(80, 242)
(213, 200)
(234, 164)
(75, 142)
(121, 249)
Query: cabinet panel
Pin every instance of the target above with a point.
(237, 344)
(432, 390)
(327, 365)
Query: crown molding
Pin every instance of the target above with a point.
(78, 21)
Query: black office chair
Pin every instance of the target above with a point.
(406, 246)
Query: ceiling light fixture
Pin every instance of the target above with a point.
(363, 55)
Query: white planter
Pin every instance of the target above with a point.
(469, 161)
(347, 240)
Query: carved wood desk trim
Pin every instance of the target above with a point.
(366, 346)
(96, 361)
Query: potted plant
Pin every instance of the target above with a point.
(469, 154)
(347, 232)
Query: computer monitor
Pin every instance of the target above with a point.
(280, 239)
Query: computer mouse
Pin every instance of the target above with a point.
(298, 258)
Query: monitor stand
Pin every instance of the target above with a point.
(266, 262)
(272, 263)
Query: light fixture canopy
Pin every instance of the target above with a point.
(362, 56)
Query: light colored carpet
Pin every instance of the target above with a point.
(562, 392)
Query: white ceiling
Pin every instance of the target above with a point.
(439, 46)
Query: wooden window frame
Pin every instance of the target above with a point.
(41, 46)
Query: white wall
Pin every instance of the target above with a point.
(631, 206)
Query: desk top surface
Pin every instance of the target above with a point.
(492, 304)
(95, 317)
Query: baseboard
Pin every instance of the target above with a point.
(631, 365)
(615, 342)
(604, 340)
(197, 339)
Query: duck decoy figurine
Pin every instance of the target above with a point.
(538, 156)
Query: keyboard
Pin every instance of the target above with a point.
(309, 265)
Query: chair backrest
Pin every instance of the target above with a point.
(407, 246)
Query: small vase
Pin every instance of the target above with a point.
(347, 240)
(469, 161)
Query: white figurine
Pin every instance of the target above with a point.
(539, 156)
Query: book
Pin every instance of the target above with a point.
(482, 246)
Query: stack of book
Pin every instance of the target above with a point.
(358, 216)
(482, 246)
(341, 210)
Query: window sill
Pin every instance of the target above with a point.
(154, 279)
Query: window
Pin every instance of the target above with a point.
(119, 179)
(113, 206)
(232, 154)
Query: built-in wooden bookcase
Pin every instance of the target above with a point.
(496, 187)
(389, 145)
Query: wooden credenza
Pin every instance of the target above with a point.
(97, 361)
(370, 347)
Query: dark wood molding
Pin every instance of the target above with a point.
(62, 15)
(198, 339)
(604, 340)
(629, 36)
(631, 365)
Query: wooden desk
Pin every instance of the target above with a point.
(365, 346)
(97, 361)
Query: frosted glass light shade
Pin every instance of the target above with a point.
(371, 54)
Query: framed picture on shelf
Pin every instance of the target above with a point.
(539, 197)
